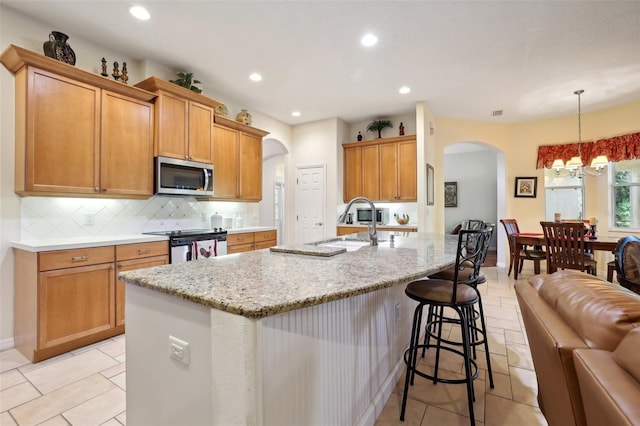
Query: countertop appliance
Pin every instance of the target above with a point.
(364, 216)
(194, 244)
(182, 177)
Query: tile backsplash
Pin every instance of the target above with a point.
(44, 218)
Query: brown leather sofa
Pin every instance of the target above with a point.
(584, 335)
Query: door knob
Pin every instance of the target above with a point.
(319, 223)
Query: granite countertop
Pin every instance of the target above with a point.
(84, 242)
(263, 283)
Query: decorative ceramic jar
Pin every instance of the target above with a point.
(222, 111)
(57, 48)
(244, 117)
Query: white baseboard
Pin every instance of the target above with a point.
(382, 397)
(6, 344)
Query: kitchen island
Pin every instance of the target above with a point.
(274, 338)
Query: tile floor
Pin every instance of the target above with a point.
(87, 386)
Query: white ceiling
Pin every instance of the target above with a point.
(463, 58)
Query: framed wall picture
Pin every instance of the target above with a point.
(430, 185)
(451, 194)
(526, 187)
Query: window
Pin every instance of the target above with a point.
(626, 194)
(564, 195)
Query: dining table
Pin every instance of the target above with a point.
(603, 243)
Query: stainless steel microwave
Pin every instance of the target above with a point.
(363, 215)
(182, 177)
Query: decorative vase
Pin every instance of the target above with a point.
(222, 111)
(244, 117)
(57, 48)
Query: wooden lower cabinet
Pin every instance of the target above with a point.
(136, 256)
(66, 299)
(249, 241)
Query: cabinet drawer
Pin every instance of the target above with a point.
(266, 236)
(76, 257)
(235, 239)
(240, 248)
(141, 250)
(265, 244)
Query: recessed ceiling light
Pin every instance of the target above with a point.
(369, 40)
(404, 90)
(255, 77)
(140, 13)
(296, 113)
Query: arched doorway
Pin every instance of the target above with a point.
(271, 208)
(479, 171)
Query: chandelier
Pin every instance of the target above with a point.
(574, 166)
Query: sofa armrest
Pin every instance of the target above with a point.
(552, 343)
(609, 393)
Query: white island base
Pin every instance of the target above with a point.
(330, 364)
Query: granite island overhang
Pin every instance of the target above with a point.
(274, 337)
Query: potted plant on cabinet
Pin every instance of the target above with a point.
(186, 80)
(378, 125)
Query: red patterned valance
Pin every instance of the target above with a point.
(617, 148)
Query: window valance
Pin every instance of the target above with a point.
(617, 148)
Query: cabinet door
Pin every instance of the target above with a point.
(74, 303)
(62, 135)
(352, 173)
(225, 162)
(388, 172)
(171, 126)
(200, 120)
(407, 171)
(371, 172)
(130, 265)
(126, 166)
(250, 167)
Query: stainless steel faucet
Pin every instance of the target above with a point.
(373, 233)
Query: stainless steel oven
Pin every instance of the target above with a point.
(195, 244)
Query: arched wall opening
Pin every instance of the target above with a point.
(272, 207)
(478, 169)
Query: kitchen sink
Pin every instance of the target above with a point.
(350, 245)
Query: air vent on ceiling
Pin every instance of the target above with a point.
(496, 113)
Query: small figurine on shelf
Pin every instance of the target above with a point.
(401, 129)
(116, 71)
(104, 68)
(124, 77)
(359, 136)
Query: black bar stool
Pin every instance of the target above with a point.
(459, 295)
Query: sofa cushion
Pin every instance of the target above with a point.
(626, 354)
(601, 313)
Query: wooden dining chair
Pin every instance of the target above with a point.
(526, 253)
(566, 248)
(628, 263)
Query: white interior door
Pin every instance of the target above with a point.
(310, 204)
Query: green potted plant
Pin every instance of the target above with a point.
(378, 125)
(186, 80)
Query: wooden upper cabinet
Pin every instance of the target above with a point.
(78, 133)
(381, 169)
(352, 186)
(200, 120)
(126, 166)
(225, 162)
(183, 121)
(57, 134)
(237, 160)
(250, 167)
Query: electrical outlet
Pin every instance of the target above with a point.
(397, 312)
(179, 350)
(89, 218)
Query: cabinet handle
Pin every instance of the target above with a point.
(241, 239)
(79, 258)
(96, 189)
(120, 265)
(104, 189)
(144, 251)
